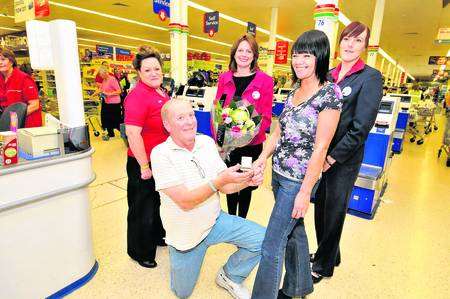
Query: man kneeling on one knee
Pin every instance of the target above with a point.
(189, 172)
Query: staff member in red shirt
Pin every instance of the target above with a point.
(16, 86)
(144, 129)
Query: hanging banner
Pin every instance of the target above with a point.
(211, 23)
(281, 52)
(105, 52)
(25, 10)
(41, 8)
(123, 55)
(162, 9)
(251, 28)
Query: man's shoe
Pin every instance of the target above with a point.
(148, 264)
(238, 291)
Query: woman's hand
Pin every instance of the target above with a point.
(146, 174)
(259, 165)
(301, 205)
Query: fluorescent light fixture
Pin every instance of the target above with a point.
(101, 42)
(6, 16)
(123, 36)
(210, 40)
(11, 29)
(234, 20)
(107, 15)
(87, 46)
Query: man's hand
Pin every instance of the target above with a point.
(257, 179)
(231, 175)
(301, 205)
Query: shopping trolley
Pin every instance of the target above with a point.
(445, 147)
(422, 121)
(92, 108)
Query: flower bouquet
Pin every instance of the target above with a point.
(235, 125)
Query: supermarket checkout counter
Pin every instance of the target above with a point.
(402, 121)
(278, 100)
(202, 99)
(373, 176)
(45, 221)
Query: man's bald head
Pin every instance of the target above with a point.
(171, 105)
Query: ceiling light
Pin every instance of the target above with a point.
(107, 15)
(106, 43)
(12, 29)
(124, 36)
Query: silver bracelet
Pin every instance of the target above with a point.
(211, 185)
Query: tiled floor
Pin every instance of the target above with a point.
(403, 253)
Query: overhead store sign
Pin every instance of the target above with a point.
(281, 52)
(25, 10)
(162, 9)
(123, 55)
(211, 23)
(443, 34)
(105, 52)
(251, 28)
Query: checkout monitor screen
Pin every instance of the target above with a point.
(285, 91)
(386, 107)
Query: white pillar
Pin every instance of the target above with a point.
(184, 38)
(272, 40)
(63, 34)
(326, 19)
(178, 41)
(392, 76)
(375, 33)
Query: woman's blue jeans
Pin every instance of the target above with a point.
(285, 236)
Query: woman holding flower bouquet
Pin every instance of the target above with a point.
(299, 146)
(246, 81)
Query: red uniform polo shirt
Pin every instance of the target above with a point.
(358, 66)
(20, 87)
(143, 109)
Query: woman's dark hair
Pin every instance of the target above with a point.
(316, 43)
(354, 29)
(8, 54)
(253, 45)
(145, 52)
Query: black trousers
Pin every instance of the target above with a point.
(330, 209)
(144, 229)
(241, 200)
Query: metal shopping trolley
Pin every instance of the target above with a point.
(422, 121)
(92, 111)
(445, 147)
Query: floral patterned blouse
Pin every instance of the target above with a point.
(298, 126)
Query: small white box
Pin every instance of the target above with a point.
(38, 142)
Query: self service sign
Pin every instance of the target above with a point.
(211, 23)
(162, 9)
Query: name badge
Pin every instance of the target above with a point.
(256, 95)
(346, 91)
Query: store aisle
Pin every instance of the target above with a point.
(402, 253)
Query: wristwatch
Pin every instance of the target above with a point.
(211, 185)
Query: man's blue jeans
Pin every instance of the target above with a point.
(286, 237)
(246, 235)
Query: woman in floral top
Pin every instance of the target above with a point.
(299, 145)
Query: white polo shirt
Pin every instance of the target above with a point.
(173, 166)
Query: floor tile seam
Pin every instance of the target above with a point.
(109, 202)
